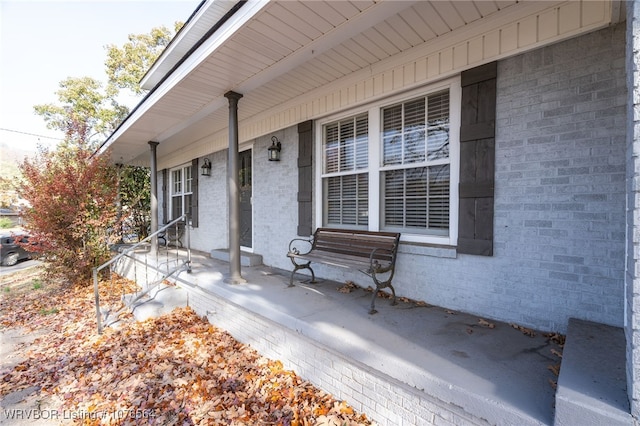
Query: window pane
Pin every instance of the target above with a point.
(188, 180)
(347, 199)
(392, 135)
(176, 207)
(332, 189)
(331, 148)
(347, 145)
(414, 114)
(177, 181)
(394, 198)
(333, 214)
(351, 198)
(362, 142)
(414, 147)
(417, 212)
(393, 212)
(417, 198)
(392, 149)
(363, 199)
(439, 178)
(438, 126)
(187, 204)
(349, 212)
(416, 193)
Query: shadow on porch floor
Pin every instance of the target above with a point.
(407, 364)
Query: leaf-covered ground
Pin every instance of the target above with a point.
(173, 370)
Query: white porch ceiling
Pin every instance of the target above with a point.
(274, 52)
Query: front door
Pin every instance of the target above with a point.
(244, 181)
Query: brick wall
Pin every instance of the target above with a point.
(275, 197)
(560, 182)
(213, 206)
(560, 196)
(559, 206)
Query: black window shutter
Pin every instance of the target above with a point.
(477, 160)
(165, 195)
(194, 189)
(305, 178)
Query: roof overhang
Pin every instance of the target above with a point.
(276, 53)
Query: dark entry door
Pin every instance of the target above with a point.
(246, 219)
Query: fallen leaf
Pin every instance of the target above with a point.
(556, 353)
(175, 369)
(557, 338)
(348, 287)
(526, 331)
(486, 323)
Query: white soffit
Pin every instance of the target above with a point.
(206, 16)
(284, 55)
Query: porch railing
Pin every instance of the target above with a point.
(158, 262)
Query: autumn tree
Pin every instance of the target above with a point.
(72, 198)
(78, 201)
(127, 65)
(135, 200)
(85, 112)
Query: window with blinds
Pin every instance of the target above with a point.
(415, 165)
(345, 175)
(394, 165)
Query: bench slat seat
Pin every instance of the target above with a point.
(369, 252)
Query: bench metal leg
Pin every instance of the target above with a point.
(379, 286)
(305, 266)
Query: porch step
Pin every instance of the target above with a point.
(162, 300)
(592, 387)
(246, 259)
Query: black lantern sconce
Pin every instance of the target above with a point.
(206, 167)
(274, 149)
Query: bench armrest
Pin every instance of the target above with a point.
(376, 266)
(294, 245)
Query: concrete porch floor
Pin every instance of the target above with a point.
(408, 364)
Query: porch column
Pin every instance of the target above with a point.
(154, 195)
(632, 278)
(235, 276)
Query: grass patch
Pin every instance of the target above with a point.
(6, 223)
(50, 311)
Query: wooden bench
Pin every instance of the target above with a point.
(373, 253)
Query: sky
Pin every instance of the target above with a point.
(44, 42)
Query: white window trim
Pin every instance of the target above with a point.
(374, 111)
(182, 194)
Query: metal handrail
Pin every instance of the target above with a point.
(125, 253)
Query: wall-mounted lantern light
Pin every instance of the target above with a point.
(206, 167)
(274, 149)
